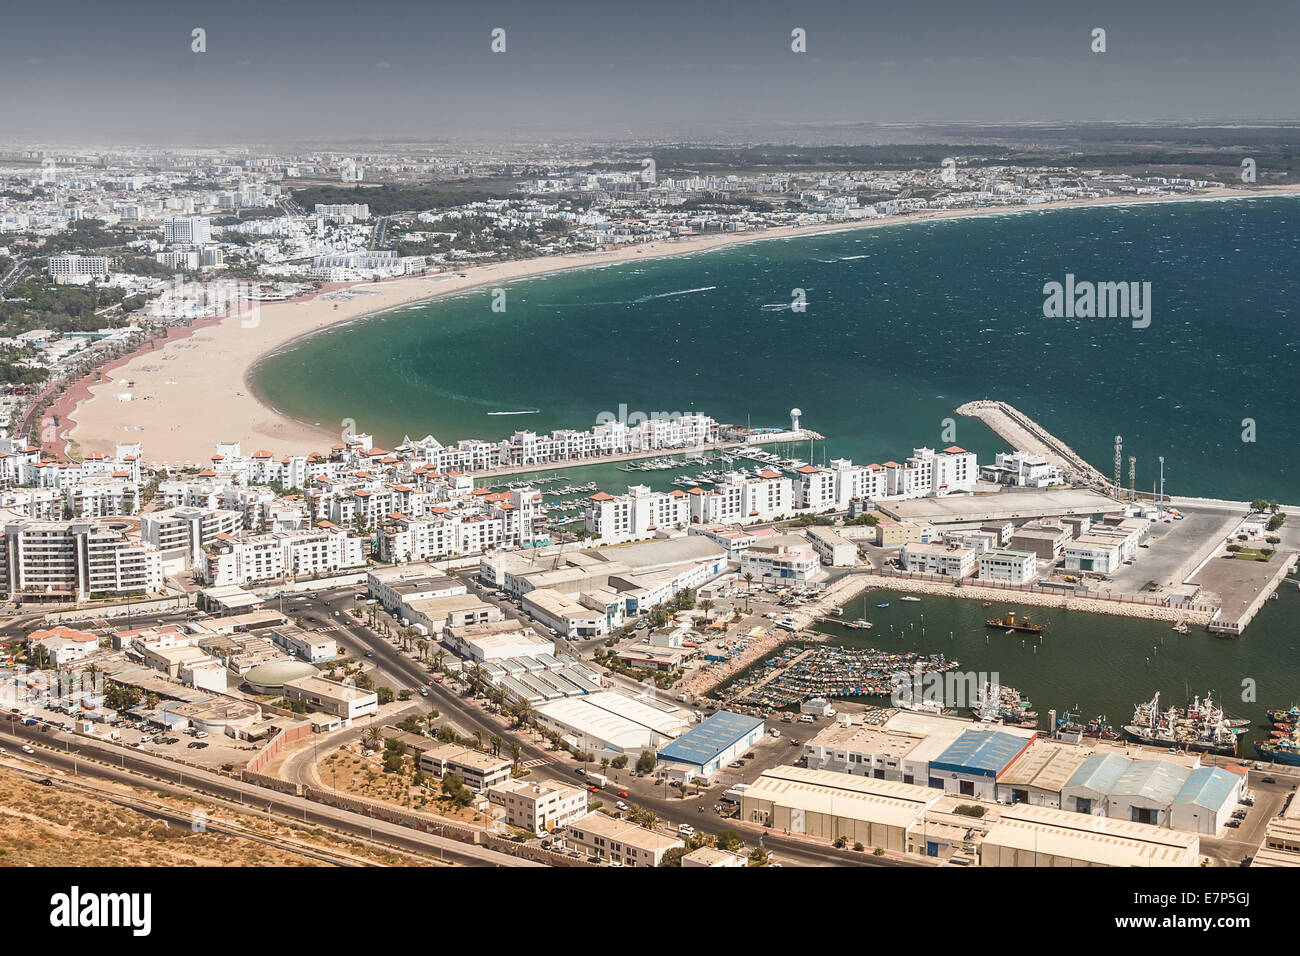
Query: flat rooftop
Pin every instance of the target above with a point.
(1003, 505)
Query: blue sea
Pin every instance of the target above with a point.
(902, 324)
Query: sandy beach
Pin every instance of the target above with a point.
(192, 391)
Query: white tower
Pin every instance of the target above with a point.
(794, 419)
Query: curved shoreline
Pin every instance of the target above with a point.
(225, 404)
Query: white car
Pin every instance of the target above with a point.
(28, 750)
(685, 829)
(621, 805)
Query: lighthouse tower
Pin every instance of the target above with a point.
(794, 419)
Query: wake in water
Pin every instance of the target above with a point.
(669, 295)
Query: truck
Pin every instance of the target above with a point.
(598, 779)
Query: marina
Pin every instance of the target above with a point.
(798, 673)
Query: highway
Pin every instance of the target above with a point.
(16, 273)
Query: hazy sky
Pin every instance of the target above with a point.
(79, 71)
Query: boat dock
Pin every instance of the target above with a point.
(757, 438)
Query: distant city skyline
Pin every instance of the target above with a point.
(406, 70)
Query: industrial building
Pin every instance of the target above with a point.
(1008, 567)
(703, 750)
(826, 805)
(1042, 837)
(610, 723)
(974, 763)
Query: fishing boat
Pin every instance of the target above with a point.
(910, 599)
(883, 604)
(1207, 732)
(1097, 727)
(1009, 623)
(861, 624)
(1290, 717)
(997, 704)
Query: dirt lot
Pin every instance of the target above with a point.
(51, 826)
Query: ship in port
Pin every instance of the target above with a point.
(1098, 727)
(997, 704)
(1011, 623)
(1201, 726)
(1283, 745)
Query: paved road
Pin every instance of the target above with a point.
(138, 769)
(16, 273)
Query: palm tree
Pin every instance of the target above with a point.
(749, 586)
(495, 740)
(516, 753)
(523, 712)
(478, 740)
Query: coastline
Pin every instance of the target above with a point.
(195, 388)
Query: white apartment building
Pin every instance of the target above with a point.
(783, 559)
(267, 557)
(929, 472)
(864, 482)
(101, 497)
(1008, 567)
(641, 513)
(191, 230)
(71, 267)
(738, 500)
(539, 807)
(814, 489)
(346, 211)
(76, 560)
(942, 559)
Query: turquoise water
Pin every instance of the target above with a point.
(903, 323)
(1097, 663)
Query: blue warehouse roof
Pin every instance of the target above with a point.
(1208, 787)
(1154, 780)
(714, 734)
(983, 752)
(1099, 772)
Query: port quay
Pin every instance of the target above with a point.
(1182, 576)
(1224, 595)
